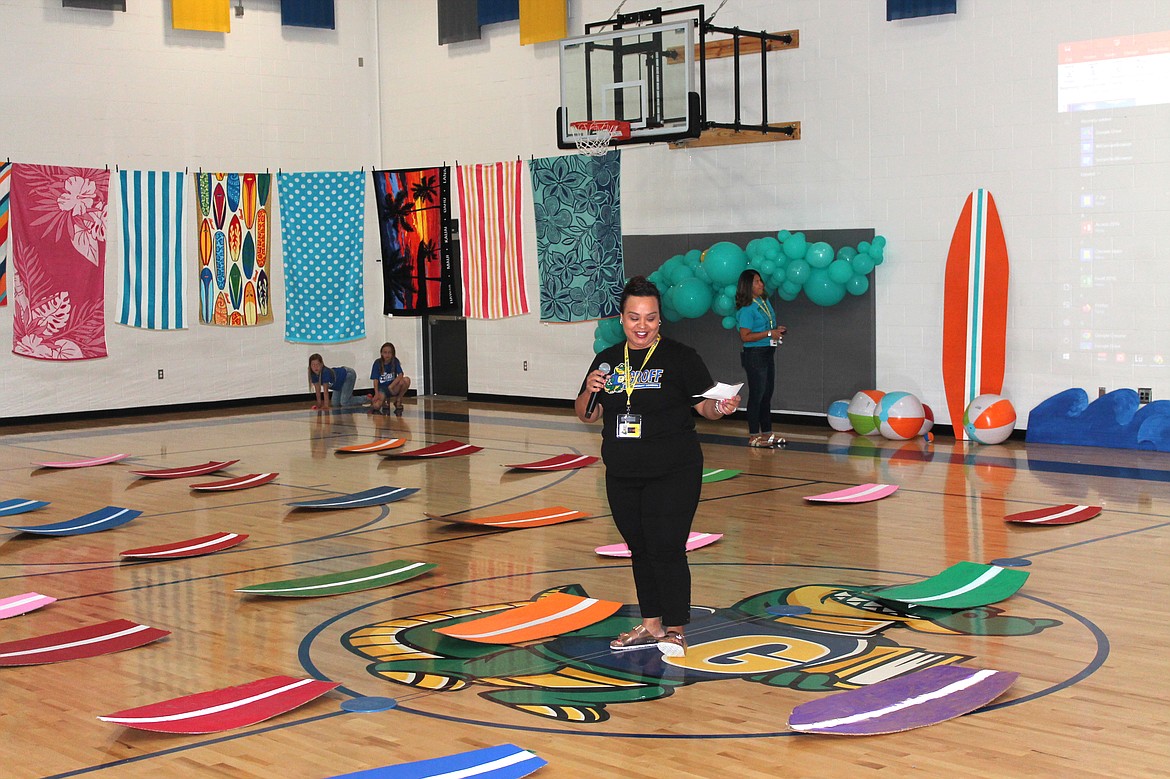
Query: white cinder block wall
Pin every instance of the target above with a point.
(900, 122)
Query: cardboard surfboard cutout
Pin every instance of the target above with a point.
(550, 615)
(503, 762)
(914, 700)
(22, 604)
(1066, 514)
(192, 547)
(113, 458)
(964, 585)
(375, 497)
(450, 448)
(975, 297)
(375, 446)
(712, 475)
(862, 493)
(10, 508)
(695, 540)
(562, 462)
(93, 522)
(90, 641)
(211, 466)
(238, 483)
(218, 710)
(553, 515)
(339, 583)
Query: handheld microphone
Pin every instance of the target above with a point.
(596, 395)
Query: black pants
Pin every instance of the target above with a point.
(760, 365)
(654, 516)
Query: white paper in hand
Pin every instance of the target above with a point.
(721, 391)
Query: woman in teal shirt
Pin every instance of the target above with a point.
(760, 335)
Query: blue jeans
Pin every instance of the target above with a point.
(760, 365)
(343, 395)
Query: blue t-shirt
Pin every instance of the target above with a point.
(329, 377)
(757, 317)
(384, 374)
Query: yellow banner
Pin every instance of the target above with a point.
(543, 20)
(205, 15)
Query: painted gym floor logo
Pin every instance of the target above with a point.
(841, 644)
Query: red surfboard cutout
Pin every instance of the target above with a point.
(191, 547)
(551, 615)
(562, 462)
(1064, 514)
(553, 515)
(90, 641)
(238, 483)
(211, 466)
(450, 448)
(975, 297)
(218, 710)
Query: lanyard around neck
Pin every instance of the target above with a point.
(768, 313)
(631, 375)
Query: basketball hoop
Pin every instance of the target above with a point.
(593, 137)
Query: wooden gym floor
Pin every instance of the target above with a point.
(1088, 633)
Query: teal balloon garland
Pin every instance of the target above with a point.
(694, 283)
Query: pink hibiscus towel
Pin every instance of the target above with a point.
(58, 261)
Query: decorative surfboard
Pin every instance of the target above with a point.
(10, 508)
(964, 585)
(110, 458)
(975, 296)
(22, 604)
(1064, 514)
(712, 475)
(450, 448)
(211, 466)
(376, 497)
(376, 446)
(214, 711)
(93, 522)
(192, 547)
(915, 700)
(238, 483)
(562, 462)
(343, 582)
(90, 641)
(551, 615)
(549, 516)
(503, 762)
(862, 493)
(695, 541)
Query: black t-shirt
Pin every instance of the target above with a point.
(664, 396)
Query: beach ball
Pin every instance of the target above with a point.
(928, 420)
(899, 415)
(839, 416)
(989, 419)
(861, 410)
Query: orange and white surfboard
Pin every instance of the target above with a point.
(550, 615)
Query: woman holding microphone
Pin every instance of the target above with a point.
(760, 335)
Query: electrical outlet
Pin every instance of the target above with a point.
(1145, 394)
(526, 365)
(160, 373)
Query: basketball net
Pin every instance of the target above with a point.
(595, 137)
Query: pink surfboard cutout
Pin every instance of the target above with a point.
(225, 709)
(90, 641)
(192, 547)
(22, 604)
(210, 466)
(376, 446)
(238, 483)
(562, 462)
(862, 493)
(449, 448)
(695, 540)
(112, 458)
(1065, 514)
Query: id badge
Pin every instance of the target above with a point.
(629, 426)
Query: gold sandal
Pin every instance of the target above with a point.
(638, 638)
(759, 442)
(673, 644)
